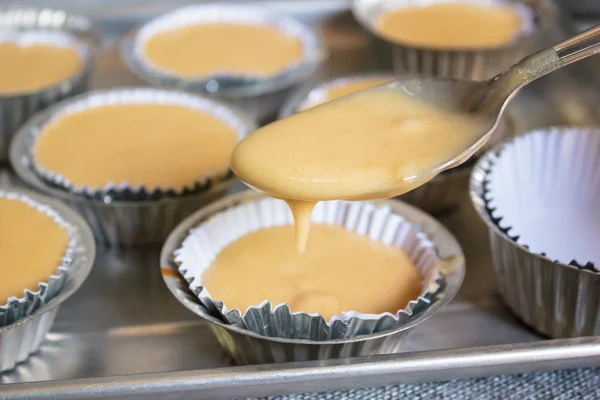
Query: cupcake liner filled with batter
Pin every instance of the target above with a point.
(170, 144)
(451, 48)
(28, 279)
(365, 221)
(275, 54)
(28, 40)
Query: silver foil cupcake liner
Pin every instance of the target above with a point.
(127, 96)
(123, 216)
(204, 242)
(25, 322)
(444, 192)
(19, 307)
(259, 96)
(247, 347)
(547, 174)
(451, 63)
(16, 108)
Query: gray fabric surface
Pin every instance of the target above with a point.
(578, 384)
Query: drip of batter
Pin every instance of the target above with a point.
(374, 144)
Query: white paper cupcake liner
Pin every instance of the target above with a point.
(260, 96)
(543, 191)
(116, 191)
(444, 63)
(276, 320)
(19, 307)
(543, 266)
(28, 26)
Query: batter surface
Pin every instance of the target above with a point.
(369, 145)
(156, 145)
(452, 25)
(209, 49)
(27, 68)
(348, 88)
(339, 271)
(32, 246)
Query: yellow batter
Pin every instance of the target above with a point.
(156, 145)
(339, 271)
(209, 49)
(28, 68)
(452, 25)
(368, 145)
(32, 246)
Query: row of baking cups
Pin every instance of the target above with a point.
(25, 320)
(259, 96)
(539, 196)
(49, 27)
(270, 332)
(476, 64)
(118, 213)
(442, 194)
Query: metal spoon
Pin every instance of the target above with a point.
(488, 99)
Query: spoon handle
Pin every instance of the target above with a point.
(504, 86)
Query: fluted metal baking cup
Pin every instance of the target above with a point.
(259, 96)
(122, 223)
(444, 63)
(25, 335)
(246, 347)
(127, 96)
(16, 108)
(444, 192)
(204, 242)
(19, 307)
(554, 298)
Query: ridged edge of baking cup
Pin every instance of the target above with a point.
(444, 192)
(18, 107)
(555, 299)
(20, 307)
(122, 191)
(226, 84)
(204, 242)
(24, 336)
(246, 347)
(445, 63)
(543, 157)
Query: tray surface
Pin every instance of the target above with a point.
(124, 322)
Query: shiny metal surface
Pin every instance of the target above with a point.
(123, 334)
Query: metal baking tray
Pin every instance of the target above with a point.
(123, 334)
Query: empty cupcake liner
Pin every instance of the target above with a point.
(379, 223)
(247, 347)
(123, 190)
(19, 307)
(444, 192)
(43, 26)
(121, 216)
(259, 96)
(25, 322)
(441, 63)
(537, 195)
